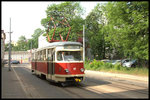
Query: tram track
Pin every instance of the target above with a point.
(81, 92)
(125, 87)
(130, 88)
(86, 90)
(122, 86)
(68, 91)
(73, 93)
(103, 94)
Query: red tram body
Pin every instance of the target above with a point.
(59, 61)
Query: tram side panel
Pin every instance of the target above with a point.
(42, 67)
(33, 66)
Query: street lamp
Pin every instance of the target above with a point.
(84, 43)
(30, 47)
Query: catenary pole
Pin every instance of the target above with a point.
(84, 43)
(9, 68)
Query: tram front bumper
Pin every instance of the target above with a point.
(67, 78)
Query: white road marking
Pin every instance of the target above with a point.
(23, 87)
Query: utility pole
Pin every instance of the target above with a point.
(9, 68)
(31, 51)
(83, 43)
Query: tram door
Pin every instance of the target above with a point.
(50, 59)
(34, 61)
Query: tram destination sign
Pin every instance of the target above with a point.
(71, 47)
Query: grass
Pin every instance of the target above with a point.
(117, 68)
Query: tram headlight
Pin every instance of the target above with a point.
(82, 69)
(66, 70)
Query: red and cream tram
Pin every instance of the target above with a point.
(59, 61)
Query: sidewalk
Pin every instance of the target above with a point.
(11, 87)
(117, 75)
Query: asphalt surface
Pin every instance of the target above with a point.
(21, 83)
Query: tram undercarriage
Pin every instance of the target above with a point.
(63, 79)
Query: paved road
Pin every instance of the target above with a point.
(32, 86)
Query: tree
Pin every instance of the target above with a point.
(7, 47)
(95, 31)
(72, 11)
(129, 21)
(121, 27)
(35, 36)
(22, 43)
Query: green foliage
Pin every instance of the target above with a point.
(129, 20)
(117, 68)
(35, 36)
(7, 47)
(22, 44)
(115, 26)
(119, 26)
(72, 11)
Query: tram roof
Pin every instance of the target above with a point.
(64, 43)
(54, 44)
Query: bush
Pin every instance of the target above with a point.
(108, 66)
(99, 65)
(117, 66)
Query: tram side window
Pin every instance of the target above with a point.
(36, 56)
(44, 54)
(32, 57)
(49, 56)
(39, 55)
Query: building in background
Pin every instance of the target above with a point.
(14, 43)
(22, 56)
(3, 37)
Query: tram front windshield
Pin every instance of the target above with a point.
(69, 56)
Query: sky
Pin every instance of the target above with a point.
(26, 16)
